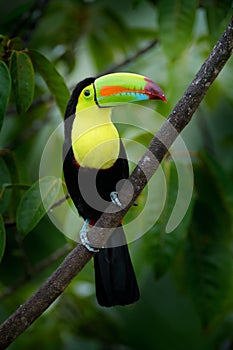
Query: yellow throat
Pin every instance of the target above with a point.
(95, 140)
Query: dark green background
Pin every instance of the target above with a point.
(186, 276)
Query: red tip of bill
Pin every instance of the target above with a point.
(153, 91)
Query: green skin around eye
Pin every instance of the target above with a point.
(87, 93)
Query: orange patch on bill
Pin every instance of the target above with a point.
(114, 90)
(111, 90)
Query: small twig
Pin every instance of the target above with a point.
(55, 205)
(79, 256)
(132, 58)
(35, 270)
(60, 201)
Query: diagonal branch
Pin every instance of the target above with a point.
(27, 313)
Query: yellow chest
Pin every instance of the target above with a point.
(95, 140)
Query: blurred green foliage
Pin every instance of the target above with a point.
(185, 276)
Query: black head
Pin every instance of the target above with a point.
(71, 106)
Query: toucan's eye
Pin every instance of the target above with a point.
(87, 93)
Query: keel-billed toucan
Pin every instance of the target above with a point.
(94, 162)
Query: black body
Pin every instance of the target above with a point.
(115, 278)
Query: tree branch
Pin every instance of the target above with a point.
(79, 256)
(29, 20)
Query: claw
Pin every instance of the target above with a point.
(115, 199)
(84, 239)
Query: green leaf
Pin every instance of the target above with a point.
(208, 255)
(15, 43)
(2, 237)
(12, 166)
(217, 17)
(163, 247)
(97, 45)
(3, 44)
(35, 202)
(22, 75)
(223, 332)
(5, 89)
(53, 79)
(176, 20)
(4, 179)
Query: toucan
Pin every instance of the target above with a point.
(94, 162)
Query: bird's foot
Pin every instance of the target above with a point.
(84, 239)
(115, 199)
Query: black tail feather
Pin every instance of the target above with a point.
(114, 274)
